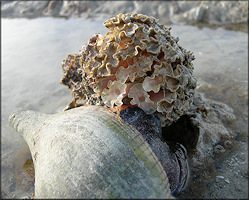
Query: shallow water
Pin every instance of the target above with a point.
(32, 52)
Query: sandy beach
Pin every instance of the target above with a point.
(37, 36)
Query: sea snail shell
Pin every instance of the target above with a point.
(87, 152)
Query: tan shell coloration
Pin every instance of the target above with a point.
(137, 62)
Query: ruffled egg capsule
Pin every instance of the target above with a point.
(137, 62)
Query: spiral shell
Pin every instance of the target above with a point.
(88, 152)
(137, 62)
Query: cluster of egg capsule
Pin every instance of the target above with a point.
(137, 62)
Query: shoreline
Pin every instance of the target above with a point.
(199, 13)
(219, 82)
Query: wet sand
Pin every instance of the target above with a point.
(31, 72)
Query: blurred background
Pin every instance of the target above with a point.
(229, 14)
(36, 36)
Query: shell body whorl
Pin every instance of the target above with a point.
(88, 152)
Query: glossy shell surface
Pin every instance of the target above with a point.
(137, 62)
(88, 152)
